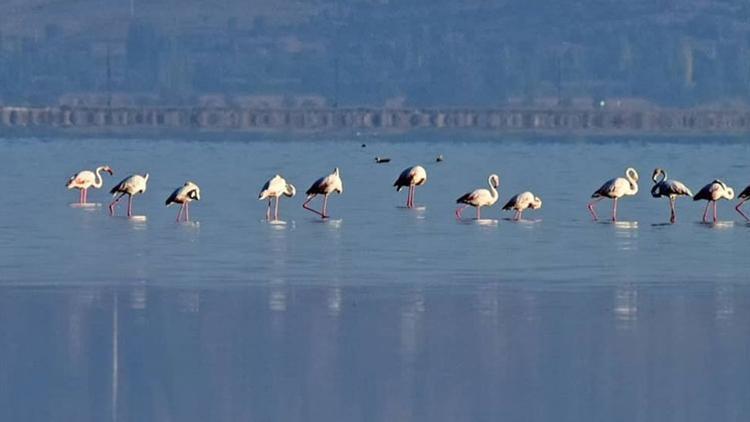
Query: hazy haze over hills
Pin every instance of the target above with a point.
(424, 53)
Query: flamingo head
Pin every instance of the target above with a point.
(109, 170)
(495, 181)
(631, 173)
(290, 190)
(656, 173)
(536, 203)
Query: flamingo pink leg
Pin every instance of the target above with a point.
(590, 206)
(80, 196)
(130, 205)
(614, 210)
(740, 211)
(268, 210)
(305, 206)
(276, 210)
(672, 213)
(86, 195)
(460, 210)
(715, 216)
(705, 212)
(478, 213)
(179, 212)
(113, 204)
(187, 211)
(325, 206)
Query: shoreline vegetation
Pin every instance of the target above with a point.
(96, 120)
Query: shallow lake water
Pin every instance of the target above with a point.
(380, 313)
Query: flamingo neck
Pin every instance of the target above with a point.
(98, 179)
(493, 190)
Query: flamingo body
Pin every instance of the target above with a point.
(479, 198)
(184, 195)
(713, 192)
(131, 186)
(521, 202)
(276, 187)
(324, 186)
(411, 177)
(85, 179)
(615, 189)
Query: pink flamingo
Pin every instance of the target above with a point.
(85, 179)
(184, 195)
(480, 197)
(132, 185)
(615, 188)
(668, 188)
(324, 186)
(712, 193)
(412, 177)
(276, 187)
(521, 202)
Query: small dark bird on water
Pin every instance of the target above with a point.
(439, 158)
(381, 160)
(364, 145)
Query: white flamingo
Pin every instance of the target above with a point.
(131, 185)
(184, 195)
(480, 197)
(615, 189)
(712, 193)
(411, 177)
(521, 202)
(324, 186)
(744, 196)
(85, 179)
(669, 188)
(276, 187)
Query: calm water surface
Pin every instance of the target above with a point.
(382, 313)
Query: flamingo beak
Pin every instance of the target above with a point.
(111, 173)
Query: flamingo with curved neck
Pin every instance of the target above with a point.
(85, 179)
(615, 189)
(669, 188)
(713, 192)
(480, 197)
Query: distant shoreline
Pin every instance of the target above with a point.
(123, 121)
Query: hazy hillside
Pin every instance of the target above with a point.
(366, 52)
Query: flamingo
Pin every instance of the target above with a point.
(480, 197)
(275, 188)
(184, 195)
(324, 186)
(412, 177)
(713, 192)
(744, 196)
(85, 179)
(131, 185)
(669, 188)
(615, 188)
(521, 202)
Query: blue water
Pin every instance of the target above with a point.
(381, 313)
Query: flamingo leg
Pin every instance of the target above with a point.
(478, 213)
(130, 205)
(459, 210)
(614, 210)
(80, 196)
(518, 215)
(705, 212)
(672, 213)
(325, 206)
(740, 211)
(408, 197)
(305, 206)
(590, 206)
(715, 218)
(179, 212)
(187, 211)
(113, 204)
(268, 210)
(85, 195)
(276, 210)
